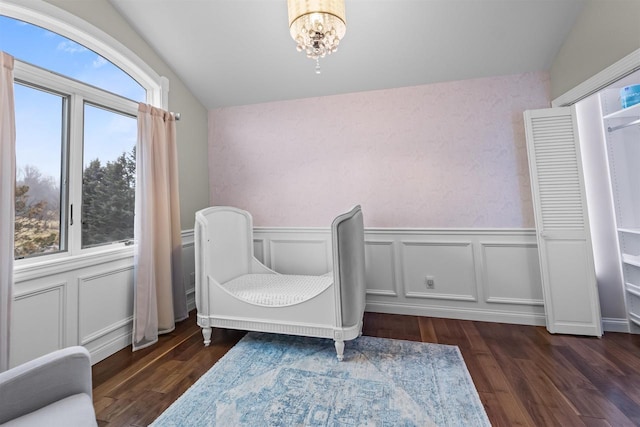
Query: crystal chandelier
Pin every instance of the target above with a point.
(317, 26)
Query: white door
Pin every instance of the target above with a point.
(569, 284)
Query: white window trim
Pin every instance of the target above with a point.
(48, 16)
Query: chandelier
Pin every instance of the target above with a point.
(317, 26)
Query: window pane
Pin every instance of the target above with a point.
(39, 146)
(54, 52)
(108, 189)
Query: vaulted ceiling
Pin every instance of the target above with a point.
(237, 52)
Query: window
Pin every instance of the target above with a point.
(75, 145)
(39, 171)
(108, 177)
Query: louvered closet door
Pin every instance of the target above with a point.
(569, 284)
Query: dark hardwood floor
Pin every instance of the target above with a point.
(524, 375)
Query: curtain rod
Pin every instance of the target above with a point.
(176, 116)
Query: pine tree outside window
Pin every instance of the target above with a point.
(108, 177)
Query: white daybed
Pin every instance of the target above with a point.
(234, 290)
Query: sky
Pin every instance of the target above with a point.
(38, 114)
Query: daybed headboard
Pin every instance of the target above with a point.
(347, 232)
(225, 234)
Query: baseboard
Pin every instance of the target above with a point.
(615, 325)
(458, 313)
(110, 348)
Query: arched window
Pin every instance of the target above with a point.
(51, 51)
(75, 133)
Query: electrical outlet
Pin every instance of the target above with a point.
(430, 281)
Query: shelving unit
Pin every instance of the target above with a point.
(623, 150)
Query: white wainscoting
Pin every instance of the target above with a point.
(84, 301)
(487, 275)
(479, 274)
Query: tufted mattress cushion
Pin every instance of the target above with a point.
(277, 290)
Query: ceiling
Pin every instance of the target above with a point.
(238, 52)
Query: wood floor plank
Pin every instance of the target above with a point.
(473, 336)
(510, 406)
(427, 330)
(524, 375)
(522, 386)
(595, 405)
(595, 422)
(563, 374)
(608, 400)
(392, 326)
(517, 413)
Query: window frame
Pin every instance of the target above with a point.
(132, 114)
(60, 21)
(77, 94)
(64, 162)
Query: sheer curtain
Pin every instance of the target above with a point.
(159, 297)
(7, 202)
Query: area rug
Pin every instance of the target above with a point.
(281, 380)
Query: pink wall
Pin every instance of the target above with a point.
(441, 155)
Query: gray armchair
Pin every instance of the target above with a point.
(52, 390)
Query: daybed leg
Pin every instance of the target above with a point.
(206, 333)
(340, 350)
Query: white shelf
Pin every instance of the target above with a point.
(633, 289)
(629, 112)
(629, 230)
(634, 318)
(631, 259)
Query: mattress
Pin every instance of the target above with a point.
(277, 290)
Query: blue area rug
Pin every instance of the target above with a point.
(280, 380)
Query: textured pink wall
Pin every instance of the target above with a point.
(441, 155)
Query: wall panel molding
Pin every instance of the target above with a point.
(105, 303)
(260, 251)
(398, 260)
(300, 256)
(39, 322)
(510, 273)
(450, 263)
(380, 257)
